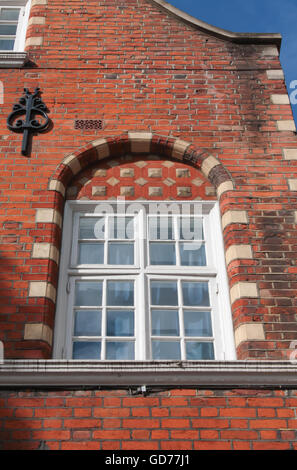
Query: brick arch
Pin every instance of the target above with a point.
(141, 143)
(40, 334)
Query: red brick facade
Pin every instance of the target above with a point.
(187, 116)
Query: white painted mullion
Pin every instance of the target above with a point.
(104, 319)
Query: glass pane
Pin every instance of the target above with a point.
(92, 227)
(197, 323)
(162, 254)
(120, 350)
(6, 44)
(88, 293)
(191, 228)
(165, 323)
(192, 254)
(120, 253)
(91, 253)
(197, 351)
(86, 350)
(87, 323)
(161, 228)
(164, 293)
(8, 29)
(120, 293)
(195, 293)
(120, 323)
(166, 350)
(121, 228)
(10, 14)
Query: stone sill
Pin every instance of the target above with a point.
(206, 374)
(13, 59)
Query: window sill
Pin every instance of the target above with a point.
(13, 59)
(206, 374)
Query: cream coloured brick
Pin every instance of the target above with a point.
(234, 217)
(140, 141)
(280, 99)
(270, 50)
(73, 163)
(288, 125)
(179, 148)
(127, 172)
(45, 251)
(36, 20)
(34, 41)
(56, 185)
(154, 172)
(243, 289)
(208, 164)
(102, 148)
(50, 216)
(275, 74)
(290, 154)
(38, 2)
(293, 184)
(99, 191)
(38, 331)
(249, 332)
(238, 252)
(224, 187)
(42, 289)
(127, 191)
(295, 217)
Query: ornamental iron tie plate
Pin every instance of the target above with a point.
(29, 105)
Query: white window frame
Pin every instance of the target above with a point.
(214, 273)
(20, 36)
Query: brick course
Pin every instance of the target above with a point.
(171, 419)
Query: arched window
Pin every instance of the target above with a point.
(143, 280)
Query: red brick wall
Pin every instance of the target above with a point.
(160, 75)
(139, 69)
(168, 420)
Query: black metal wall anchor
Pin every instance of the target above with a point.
(28, 105)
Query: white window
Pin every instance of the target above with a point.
(143, 281)
(13, 25)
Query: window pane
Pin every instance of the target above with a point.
(196, 351)
(87, 323)
(192, 254)
(6, 44)
(164, 293)
(88, 293)
(120, 253)
(120, 350)
(92, 227)
(165, 323)
(91, 253)
(86, 350)
(8, 29)
(191, 228)
(161, 228)
(197, 323)
(120, 323)
(120, 293)
(121, 228)
(166, 350)
(195, 293)
(10, 14)
(162, 254)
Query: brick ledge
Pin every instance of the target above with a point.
(206, 374)
(13, 59)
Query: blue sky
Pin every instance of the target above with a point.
(253, 16)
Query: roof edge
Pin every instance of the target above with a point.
(242, 38)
